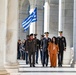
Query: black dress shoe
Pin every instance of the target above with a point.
(43, 65)
(60, 65)
(33, 65)
(46, 65)
(36, 62)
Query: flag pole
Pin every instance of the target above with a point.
(36, 21)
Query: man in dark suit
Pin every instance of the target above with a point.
(18, 49)
(37, 47)
(45, 43)
(31, 48)
(26, 51)
(62, 47)
(41, 47)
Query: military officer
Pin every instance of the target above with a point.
(45, 43)
(62, 47)
(31, 47)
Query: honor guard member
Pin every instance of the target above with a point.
(62, 47)
(45, 43)
(30, 46)
(37, 47)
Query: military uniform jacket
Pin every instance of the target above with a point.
(41, 44)
(45, 43)
(38, 44)
(26, 44)
(61, 43)
(18, 46)
(31, 45)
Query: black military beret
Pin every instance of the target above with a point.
(35, 34)
(46, 32)
(42, 35)
(31, 34)
(27, 35)
(60, 31)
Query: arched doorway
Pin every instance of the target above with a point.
(24, 7)
(67, 23)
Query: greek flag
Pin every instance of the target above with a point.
(31, 18)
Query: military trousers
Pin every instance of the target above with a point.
(32, 58)
(45, 57)
(60, 58)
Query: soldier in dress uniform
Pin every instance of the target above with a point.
(45, 43)
(62, 47)
(37, 47)
(31, 48)
(41, 47)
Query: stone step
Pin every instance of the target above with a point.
(46, 69)
(43, 73)
(38, 68)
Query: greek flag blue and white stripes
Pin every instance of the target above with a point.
(31, 18)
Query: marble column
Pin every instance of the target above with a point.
(74, 33)
(33, 25)
(12, 34)
(60, 27)
(46, 16)
(3, 22)
(67, 22)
